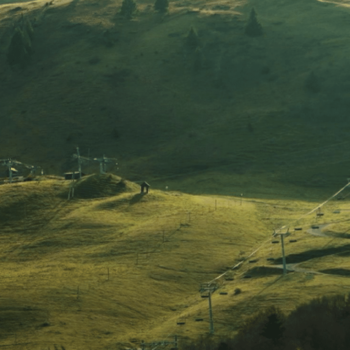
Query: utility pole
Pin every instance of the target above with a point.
(79, 162)
(10, 170)
(71, 189)
(209, 288)
(286, 234)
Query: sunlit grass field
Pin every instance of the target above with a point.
(108, 272)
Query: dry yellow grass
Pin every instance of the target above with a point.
(157, 248)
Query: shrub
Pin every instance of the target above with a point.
(253, 27)
(161, 5)
(128, 8)
(237, 291)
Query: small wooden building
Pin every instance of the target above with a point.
(72, 175)
(144, 187)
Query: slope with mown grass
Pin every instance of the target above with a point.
(114, 269)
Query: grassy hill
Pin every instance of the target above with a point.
(248, 143)
(107, 269)
(273, 106)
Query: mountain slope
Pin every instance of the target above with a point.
(129, 89)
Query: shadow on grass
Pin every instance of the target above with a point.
(340, 272)
(263, 271)
(314, 253)
(338, 235)
(14, 318)
(136, 198)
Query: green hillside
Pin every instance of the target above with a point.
(273, 105)
(237, 135)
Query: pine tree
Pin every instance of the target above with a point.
(192, 40)
(273, 328)
(253, 27)
(161, 5)
(128, 8)
(28, 28)
(19, 49)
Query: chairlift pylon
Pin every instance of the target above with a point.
(103, 163)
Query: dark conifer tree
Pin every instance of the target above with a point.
(192, 40)
(19, 49)
(128, 8)
(273, 328)
(253, 27)
(161, 5)
(28, 28)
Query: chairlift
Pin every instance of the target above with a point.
(337, 211)
(319, 212)
(223, 293)
(229, 279)
(247, 276)
(293, 240)
(199, 319)
(253, 261)
(270, 259)
(298, 229)
(314, 227)
(205, 296)
(180, 323)
(274, 242)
